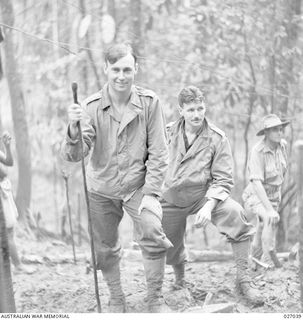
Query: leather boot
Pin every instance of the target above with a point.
(117, 299)
(154, 272)
(244, 284)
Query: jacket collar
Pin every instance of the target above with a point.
(134, 98)
(133, 108)
(202, 141)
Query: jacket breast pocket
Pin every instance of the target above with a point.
(272, 176)
(137, 134)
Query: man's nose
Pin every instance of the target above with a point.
(121, 74)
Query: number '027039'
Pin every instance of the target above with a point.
(292, 316)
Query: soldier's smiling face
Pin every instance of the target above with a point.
(121, 74)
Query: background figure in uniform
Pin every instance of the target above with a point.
(267, 165)
(198, 181)
(124, 126)
(9, 206)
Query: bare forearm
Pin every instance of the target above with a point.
(212, 203)
(8, 158)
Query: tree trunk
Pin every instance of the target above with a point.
(273, 64)
(252, 100)
(7, 302)
(112, 8)
(84, 69)
(23, 197)
(112, 11)
(1, 131)
(291, 11)
(136, 29)
(1, 75)
(89, 52)
(1, 67)
(300, 205)
(55, 28)
(135, 14)
(55, 190)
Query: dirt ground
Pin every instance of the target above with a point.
(59, 285)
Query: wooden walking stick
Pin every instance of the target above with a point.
(79, 220)
(90, 228)
(65, 177)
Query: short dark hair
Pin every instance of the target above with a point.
(118, 51)
(190, 94)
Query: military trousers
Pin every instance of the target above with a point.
(228, 216)
(106, 216)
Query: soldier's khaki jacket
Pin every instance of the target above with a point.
(205, 170)
(125, 155)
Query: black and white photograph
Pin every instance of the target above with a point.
(151, 158)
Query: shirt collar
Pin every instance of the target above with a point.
(266, 148)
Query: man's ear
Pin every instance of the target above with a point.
(105, 67)
(180, 110)
(136, 68)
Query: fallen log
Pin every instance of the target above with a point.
(53, 259)
(214, 255)
(208, 255)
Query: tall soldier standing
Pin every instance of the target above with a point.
(124, 127)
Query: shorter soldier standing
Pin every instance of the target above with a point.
(198, 181)
(266, 167)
